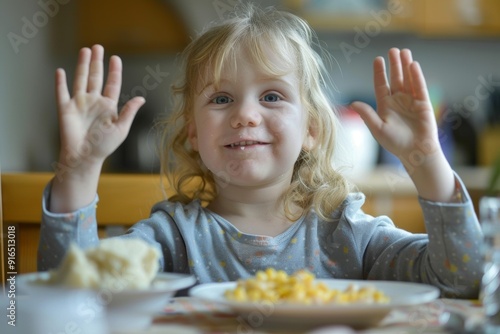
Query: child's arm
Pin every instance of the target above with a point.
(90, 128)
(405, 125)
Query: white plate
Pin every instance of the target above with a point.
(354, 315)
(123, 309)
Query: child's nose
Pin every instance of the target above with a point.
(246, 114)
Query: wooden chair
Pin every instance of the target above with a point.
(123, 200)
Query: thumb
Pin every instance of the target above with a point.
(368, 114)
(128, 112)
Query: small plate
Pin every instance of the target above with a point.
(292, 315)
(124, 309)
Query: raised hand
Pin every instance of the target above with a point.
(404, 121)
(405, 125)
(91, 127)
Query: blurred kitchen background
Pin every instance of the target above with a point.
(457, 43)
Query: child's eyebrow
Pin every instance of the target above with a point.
(278, 80)
(286, 84)
(263, 79)
(211, 84)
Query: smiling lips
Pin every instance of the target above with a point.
(244, 143)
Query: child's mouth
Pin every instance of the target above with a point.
(244, 143)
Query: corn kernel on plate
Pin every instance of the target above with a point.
(273, 298)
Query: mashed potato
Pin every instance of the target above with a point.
(116, 263)
(276, 286)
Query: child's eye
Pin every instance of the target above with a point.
(222, 100)
(271, 98)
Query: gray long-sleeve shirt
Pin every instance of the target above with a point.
(192, 239)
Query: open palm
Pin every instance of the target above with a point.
(91, 127)
(404, 120)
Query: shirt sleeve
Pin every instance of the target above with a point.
(448, 256)
(59, 230)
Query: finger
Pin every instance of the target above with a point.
(62, 93)
(396, 71)
(406, 60)
(128, 112)
(418, 82)
(380, 82)
(96, 69)
(82, 72)
(114, 81)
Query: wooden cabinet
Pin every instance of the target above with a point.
(131, 26)
(389, 192)
(427, 18)
(457, 18)
(371, 18)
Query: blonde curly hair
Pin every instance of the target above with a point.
(315, 184)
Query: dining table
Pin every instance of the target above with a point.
(191, 315)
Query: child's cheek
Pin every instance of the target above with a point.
(276, 124)
(279, 125)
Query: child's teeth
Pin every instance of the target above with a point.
(243, 143)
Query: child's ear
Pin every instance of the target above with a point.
(192, 135)
(310, 138)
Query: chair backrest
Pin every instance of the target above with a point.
(123, 200)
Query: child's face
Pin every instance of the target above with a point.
(251, 129)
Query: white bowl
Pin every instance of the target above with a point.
(123, 309)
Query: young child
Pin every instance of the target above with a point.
(253, 125)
